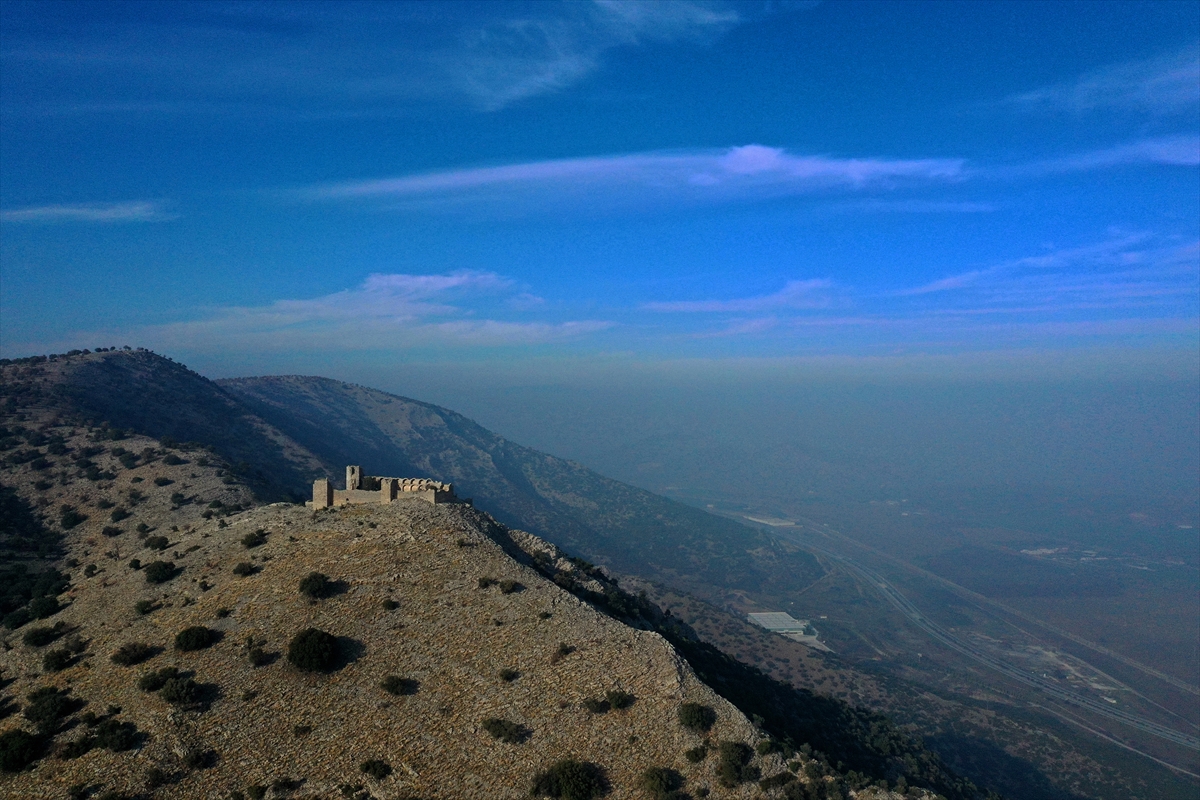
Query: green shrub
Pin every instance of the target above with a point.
(316, 585)
(90, 570)
(696, 754)
(180, 692)
(157, 679)
(142, 528)
(159, 571)
(43, 607)
(505, 730)
(259, 537)
(733, 764)
(70, 518)
(244, 569)
(163, 481)
(132, 653)
(660, 782)
(313, 650)
(768, 746)
(259, 657)
(509, 587)
(256, 792)
(697, 717)
(486, 582)
(144, 607)
(135, 564)
(40, 637)
(376, 768)
(776, 781)
(17, 618)
(116, 736)
(18, 749)
(390, 605)
(156, 778)
(197, 637)
(47, 706)
(111, 531)
(619, 699)
(56, 660)
(394, 684)
(509, 675)
(119, 514)
(570, 780)
(75, 749)
(172, 460)
(157, 542)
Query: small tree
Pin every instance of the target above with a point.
(132, 653)
(570, 780)
(316, 585)
(697, 717)
(313, 650)
(159, 571)
(505, 730)
(197, 637)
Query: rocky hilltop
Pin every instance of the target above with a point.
(170, 634)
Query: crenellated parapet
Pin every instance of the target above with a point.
(362, 488)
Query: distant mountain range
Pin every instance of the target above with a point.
(280, 433)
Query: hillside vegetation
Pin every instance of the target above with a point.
(178, 638)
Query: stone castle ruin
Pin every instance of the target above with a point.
(372, 489)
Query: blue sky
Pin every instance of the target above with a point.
(259, 187)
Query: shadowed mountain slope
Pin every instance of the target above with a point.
(603, 519)
(154, 396)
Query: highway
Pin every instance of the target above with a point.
(1031, 679)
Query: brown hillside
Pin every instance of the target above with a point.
(307, 734)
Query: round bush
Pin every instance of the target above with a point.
(18, 749)
(316, 585)
(313, 650)
(180, 691)
(697, 717)
(56, 660)
(159, 571)
(661, 783)
(376, 768)
(43, 607)
(394, 684)
(196, 637)
(571, 780)
(132, 653)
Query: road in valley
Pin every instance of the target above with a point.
(965, 648)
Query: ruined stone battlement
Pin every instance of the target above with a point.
(374, 489)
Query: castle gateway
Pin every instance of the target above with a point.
(372, 489)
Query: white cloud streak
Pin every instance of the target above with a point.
(137, 211)
(387, 312)
(515, 59)
(794, 295)
(1172, 151)
(1162, 85)
(747, 172)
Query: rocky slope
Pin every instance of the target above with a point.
(453, 613)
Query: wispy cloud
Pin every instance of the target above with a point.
(1174, 151)
(745, 172)
(1166, 84)
(517, 58)
(214, 57)
(139, 211)
(796, 294)
(386, 312)
(1130, 272)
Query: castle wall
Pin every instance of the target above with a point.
(372, 489)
